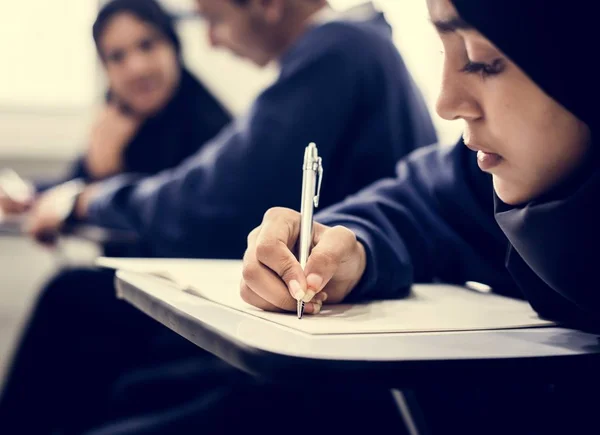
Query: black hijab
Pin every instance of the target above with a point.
(190, 118)
(555, 240)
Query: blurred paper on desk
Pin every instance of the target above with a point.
(15, 187)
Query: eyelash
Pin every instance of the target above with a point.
(485, 69)
(147, 45)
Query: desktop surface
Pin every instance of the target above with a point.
(401, 360)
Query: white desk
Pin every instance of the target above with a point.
(12, 226)
(407, 360)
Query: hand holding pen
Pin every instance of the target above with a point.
(273, 277)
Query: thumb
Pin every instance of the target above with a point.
(334, 246)
(274, 242)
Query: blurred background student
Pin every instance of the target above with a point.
(156, 112)
(364, 112)
(66, 59)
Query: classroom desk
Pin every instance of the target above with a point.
(395, 361)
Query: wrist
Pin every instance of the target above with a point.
(81, 206)
(65, 202)
(362, 262)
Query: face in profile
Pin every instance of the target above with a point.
(141, 64)
(524, 138)
(247, 30)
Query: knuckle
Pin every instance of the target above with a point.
(344, 233)
(287, 270)
(285, 303)
(266, 249)
(251, 239)
(273, 213)
(245, 293)
(325, 259)
(251, 271)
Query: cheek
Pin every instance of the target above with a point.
(504, 121)
(169, 66)
(518, 119)
(116, 80)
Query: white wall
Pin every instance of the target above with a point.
(49, 79)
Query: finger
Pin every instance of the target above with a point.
(250, 297)
(321, 297)
(253, 299)
(42, 235)
(333, 247)
(274, 243)
(266, 283)
(12, 207)
(251, 241)
(47, 238)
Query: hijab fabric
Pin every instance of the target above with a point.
(554, 240)
(191, 117)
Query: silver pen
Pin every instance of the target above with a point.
(312, 177)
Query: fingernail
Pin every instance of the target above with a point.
(322, 297)
(309, 296)
(297, 291)
(314, 281)
(316, 308)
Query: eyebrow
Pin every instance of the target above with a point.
(451, 25)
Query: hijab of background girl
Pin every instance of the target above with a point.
(190, 118)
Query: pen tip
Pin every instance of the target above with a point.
(300, 309)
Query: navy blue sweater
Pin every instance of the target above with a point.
(342, 85)
(439, 220)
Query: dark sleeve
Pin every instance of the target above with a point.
(433, 222)
(221, 192)
(77, 170)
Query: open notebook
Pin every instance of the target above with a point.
(429, 308)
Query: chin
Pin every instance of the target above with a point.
(510, 193)
(148, 108)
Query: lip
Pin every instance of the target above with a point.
(486, 159)
(145, 86)
(476, 148)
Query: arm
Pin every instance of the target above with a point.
(77, 170)
(433, 222)
(208, 204)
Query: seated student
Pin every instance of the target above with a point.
(156, 112)
(364, 112)
(513, 205)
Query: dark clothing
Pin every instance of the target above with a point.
(75, 371)
(440, 220)
(363, 112)
(181, 128)
(437, 221)
(79, 340)
(186, 123)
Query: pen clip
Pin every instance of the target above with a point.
(319, 168)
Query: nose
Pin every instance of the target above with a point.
(457, 99)
(137, 63)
